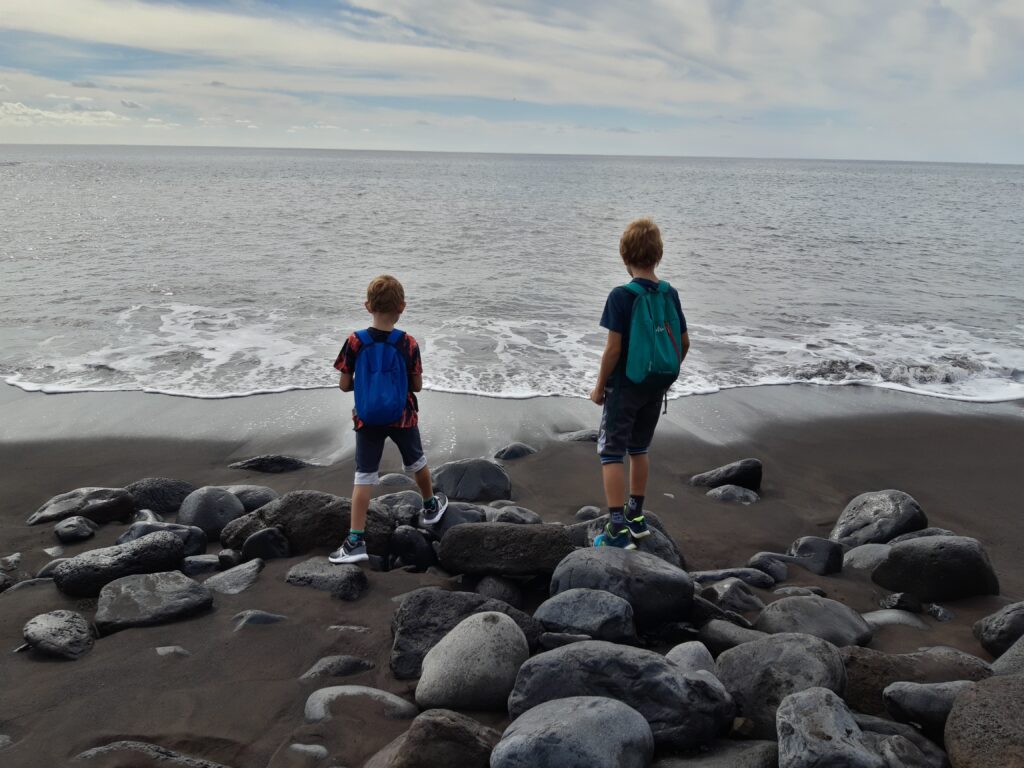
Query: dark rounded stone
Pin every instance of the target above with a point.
(345, 582)
(101, 505)
(64, 634)
(585, 514)
(439, 737)
(271, 464)
(506, 590)
(145, 600)
(514, 451)
(210, 509)
(266, 544)
(74, 529)
(819, 616)
(877, 518)
(998, 632)
(159, 494)
(411, 548)
(252, 496)
(985, 727)
(473, 479)
(937, 569)
(229, 558)
(193, 538)
(745, 473)
(86, 574)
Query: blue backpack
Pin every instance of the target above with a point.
(381, 380)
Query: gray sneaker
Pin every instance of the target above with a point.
(433, 517)
(350, 551)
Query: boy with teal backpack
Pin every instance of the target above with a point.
(647, 342)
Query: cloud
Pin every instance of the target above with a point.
(4, 88)
(18, 114)
(83, 84)
(217, 84)
(129, 104)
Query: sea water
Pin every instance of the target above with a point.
(224, 272)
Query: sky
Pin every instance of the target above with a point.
(932, 80)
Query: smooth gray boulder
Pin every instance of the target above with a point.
(593, 612)
(266, 544)
(771, 563)
(725, 753)
(732, 595)
(161, 495)
(71, 530)
(459, 513)
(84, 575)
(817, 555)
(878, 517)
(318, 705)
(1011, 662)
(551, 640)
(734, 493)
(514, 451)
(474, 666)
(819, 616)
(235, 580)
(147, 599)
(876, 730)
(63, 634)
(139, 753)
(337, 666)
(745, 473)
(345, 582)
(504, 549)
(271, 463)
(869, 672)
(192, 537)
(576, 732)
(890, 617)
(472, 480)
(684, 710)
(761, 673)
(398, 480)
(998, 631)
(512, 513)
(985, 727)
(693, 656)
(938, 569)
(210, 508)
(252, 496)
(659, 592)
(865, 557)
(436, 738)
(428, 614)
(719, 635)
(816, 729)
(795, 591)
(101, 505)
(922, 533)
(925, 704)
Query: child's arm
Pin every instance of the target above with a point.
(345, 384)
(609, 359)
(415, 382)
(685, 347)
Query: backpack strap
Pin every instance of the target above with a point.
(635, 288)
(364, 337)
(394, 337)
(664, 287)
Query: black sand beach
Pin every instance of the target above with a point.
(237, 699)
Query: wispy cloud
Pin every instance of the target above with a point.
(915, 79)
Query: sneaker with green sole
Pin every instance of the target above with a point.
(619, 539)
(637, 527)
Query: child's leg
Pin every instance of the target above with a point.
(639, 469)
(425, 482)
(414, 460)
(613, 472)
(369, 449)
(360, 505)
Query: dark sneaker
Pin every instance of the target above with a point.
(433, 516)
(619, 538)
(350, 551)
(637, 527)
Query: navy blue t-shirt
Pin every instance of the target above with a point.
(618, 314)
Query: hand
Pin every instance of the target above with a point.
(597, 395)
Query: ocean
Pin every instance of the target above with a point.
(225, 272)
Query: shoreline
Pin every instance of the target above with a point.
(237, 698)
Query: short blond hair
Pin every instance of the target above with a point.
(640, 245)
(385, 294)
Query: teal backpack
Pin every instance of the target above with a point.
(655, 337)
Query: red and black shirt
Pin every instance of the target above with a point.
(410, 350)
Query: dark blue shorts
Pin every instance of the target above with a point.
(370, 447)
(628, 420)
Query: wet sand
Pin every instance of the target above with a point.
(237, 698)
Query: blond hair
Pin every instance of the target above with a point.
(385, 294)
(640, 245)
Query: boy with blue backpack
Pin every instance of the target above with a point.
(647, 342)
(382, 365)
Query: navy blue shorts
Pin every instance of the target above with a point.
(370, 447)
(628, 420)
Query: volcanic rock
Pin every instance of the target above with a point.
(64, 634)
(938, 568)
(162, 495)
(144, 600)
(87, 573)
(504, 549)
(101, 505)
(878, 517)
(472, 479)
